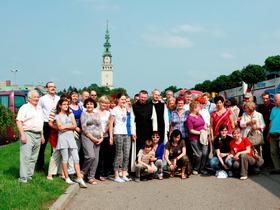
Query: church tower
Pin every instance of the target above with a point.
(107, 67)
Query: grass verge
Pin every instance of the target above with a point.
(39, 193)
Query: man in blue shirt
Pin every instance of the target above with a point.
(275, 133)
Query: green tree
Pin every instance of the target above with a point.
(235, 79)
(272, 63)
(172, 87)
(205, 86)
(253, 74)
(220, 83)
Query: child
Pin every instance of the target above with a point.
(66, 144)
(159, 150)
(145, 160)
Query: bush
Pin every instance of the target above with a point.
(8, 130)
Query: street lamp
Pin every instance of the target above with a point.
(15, 71)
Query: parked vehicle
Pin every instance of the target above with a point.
(271, 86)
(11, 100)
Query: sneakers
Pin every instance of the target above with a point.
(230, 174)
(137, 179)
(160, 176)
(81, 182)
(29, 178)
(194, 172)
(243, 177)
(119, 180)
(69, 181)
(124, 178)
(22, 180)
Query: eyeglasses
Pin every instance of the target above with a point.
(93, 95)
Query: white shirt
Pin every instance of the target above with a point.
(105, 122)
(47, 103)
(31, 117)
(205, 115)
(120, 116)
(187, 107)
(246, 118)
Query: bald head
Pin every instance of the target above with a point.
(277, 99)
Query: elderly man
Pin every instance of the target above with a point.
(47, 103)
(30, 125)
(162, 116)
(274, 133)
(169, 94)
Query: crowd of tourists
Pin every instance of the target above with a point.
(123, 139)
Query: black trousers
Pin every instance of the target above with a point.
(106, 158)
(41, 157)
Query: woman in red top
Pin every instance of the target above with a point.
(220, 116)
(242, 154)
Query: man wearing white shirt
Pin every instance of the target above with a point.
(30, 125)
(47, 103)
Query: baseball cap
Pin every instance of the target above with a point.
(248, 95)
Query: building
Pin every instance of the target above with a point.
(107, 67)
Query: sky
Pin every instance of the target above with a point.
(155, 43)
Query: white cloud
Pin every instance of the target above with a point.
(187, 28)
(226, 55)
(168, 41)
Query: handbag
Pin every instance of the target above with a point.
(255, 137)
(203, 138)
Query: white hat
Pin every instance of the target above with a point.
(222, 174)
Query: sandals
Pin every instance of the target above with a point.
(102, 179)
(92, 181)
(184, 176)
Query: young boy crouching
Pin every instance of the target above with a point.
(144, 163)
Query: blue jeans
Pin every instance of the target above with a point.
(216, 165)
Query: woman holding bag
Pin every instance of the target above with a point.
(252, 124)
(196, 126)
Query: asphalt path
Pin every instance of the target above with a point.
(197, 192)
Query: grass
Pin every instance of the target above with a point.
(39, 193)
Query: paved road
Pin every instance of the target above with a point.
(258, 192)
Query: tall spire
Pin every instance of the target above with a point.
(107, 44)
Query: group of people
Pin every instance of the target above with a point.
(94, 138)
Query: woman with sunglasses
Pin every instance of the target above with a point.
(159, 150)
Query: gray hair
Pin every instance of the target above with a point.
(31, 93)
(155, 91)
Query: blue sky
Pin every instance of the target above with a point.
(155, 44)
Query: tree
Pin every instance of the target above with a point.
(174, 88)
(220, 83)
(235, 79)
(272, 63)
(253, 74)
(205, 86)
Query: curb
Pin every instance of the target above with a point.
(62, 200)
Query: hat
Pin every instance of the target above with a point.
(221, 174)
(248, 95)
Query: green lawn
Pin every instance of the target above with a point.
(39, 193)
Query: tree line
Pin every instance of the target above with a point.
(251, 74)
